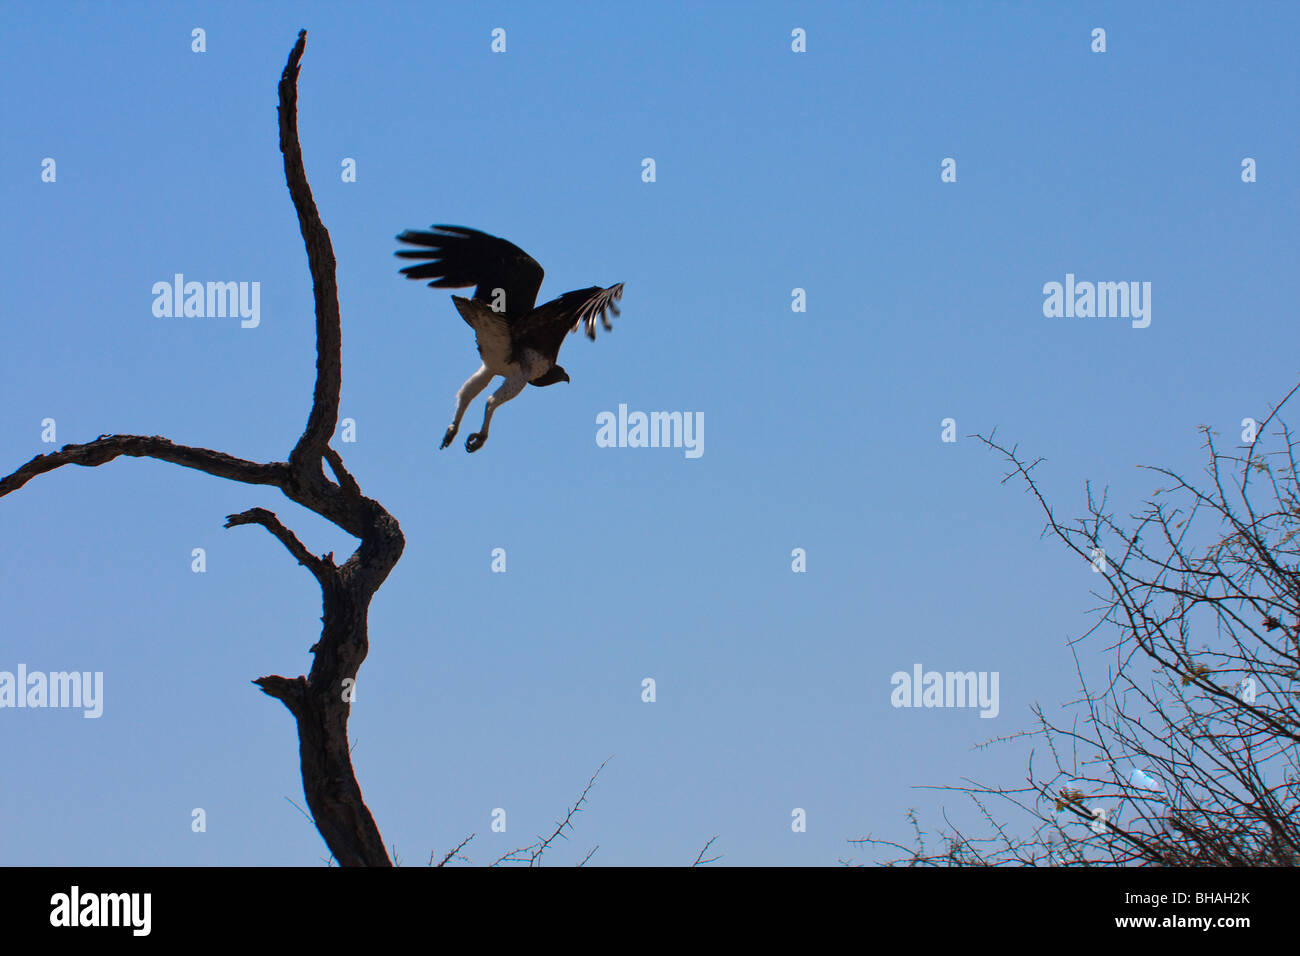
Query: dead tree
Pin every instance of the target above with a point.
(1185, 753)
(319, 702)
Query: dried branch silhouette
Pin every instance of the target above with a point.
(319, 702)
(1191, 761)
(699, 857)
(532, 854)
(454, 853)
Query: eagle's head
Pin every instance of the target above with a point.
(556, 374)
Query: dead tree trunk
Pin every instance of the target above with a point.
(319, 702)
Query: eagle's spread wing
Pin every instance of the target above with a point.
(491, 331)
(598, 302)
(545, 329)
(461, 257)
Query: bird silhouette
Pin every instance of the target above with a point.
(516, 338)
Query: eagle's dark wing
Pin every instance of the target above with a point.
(563, 315)
(598, 302)
(545, 329)
(463, 257)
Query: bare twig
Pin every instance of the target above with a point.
(532, 853)
(1195, 763)
(453, 853)
(699, 857)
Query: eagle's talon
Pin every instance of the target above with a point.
(474, 442)
(446, 439)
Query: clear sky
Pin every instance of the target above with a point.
(775, 170)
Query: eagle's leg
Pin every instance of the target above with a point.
(508, 390)
(468, 392)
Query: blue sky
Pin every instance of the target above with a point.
(775, 171)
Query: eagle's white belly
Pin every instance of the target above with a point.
(497, 361)
(492, 332)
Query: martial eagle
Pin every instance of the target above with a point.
(515, 339)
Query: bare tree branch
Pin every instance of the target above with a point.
(108, 447)
(532, 854)
(699, 858)
(345, 480)
(1195, 763)
(321, 701)
(320, 567)
(320, 258)
(453, 853)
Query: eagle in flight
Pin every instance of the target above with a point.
(516, 339)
